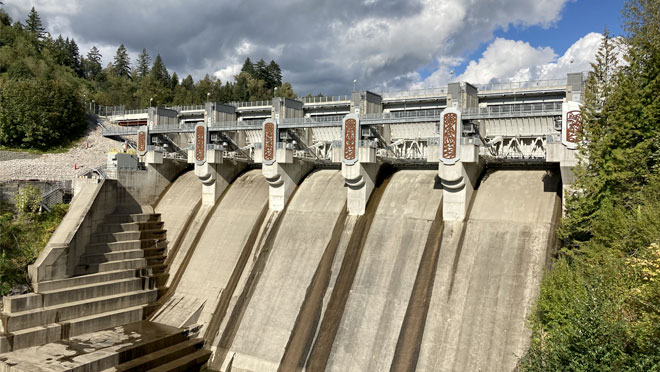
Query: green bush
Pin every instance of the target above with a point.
(21, 241)
(39, 114)
(28, 201)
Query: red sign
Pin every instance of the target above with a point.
(142, 141)
(350, 139)
(200, 143)
(449, 127)
(269, 141)
(573, 126)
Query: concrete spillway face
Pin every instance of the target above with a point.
(377, 306)
(178, 205)
(300, 252)
(219, 256)
(488, 274)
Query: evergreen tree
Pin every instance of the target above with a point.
(273, 75)
(261, 70)
(60, 50)
(240, 90)
(188, 83)
(248, 67)
(597, 134)
(143, 64)
(159, 72)
(92, 64)
(174, 81)
(34, 25)
(73, 57)
(4, 18)
(121, 65)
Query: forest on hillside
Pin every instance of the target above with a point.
(599, 306)
(46, 81)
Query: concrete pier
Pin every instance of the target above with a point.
(283, 179)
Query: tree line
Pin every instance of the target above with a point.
(145, 83)
(45, 81)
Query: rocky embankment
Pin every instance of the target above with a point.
(89, 153)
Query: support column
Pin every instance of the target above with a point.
(564, 151)
(359, 166)
(458, 182)
(282, 172)
(360, 180)
(459, 167)
(215, 172)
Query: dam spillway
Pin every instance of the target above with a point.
(488, 274)
(424, 294)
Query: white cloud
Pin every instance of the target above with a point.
(509, 60)
(505, 58)
(321, 46)
(228, 72)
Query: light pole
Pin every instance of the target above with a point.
(150, 100)
(208, 96)
(354, 84)
(275, 92)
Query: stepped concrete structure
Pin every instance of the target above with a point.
(400, 231)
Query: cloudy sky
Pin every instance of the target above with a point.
(323, 45)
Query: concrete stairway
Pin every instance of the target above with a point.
(116, 280)
(139, 346)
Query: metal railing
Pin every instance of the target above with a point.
(187, 108)
(256, 124)
(428, 92)
(325, 99)
(412, 114)
(251, 103)
(214, 146)
(285, 145)
(120, 131)
(319, 120)
(168, 128)
(96, 172)
(514, 110)
(522, 84)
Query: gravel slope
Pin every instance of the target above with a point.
(88, 154)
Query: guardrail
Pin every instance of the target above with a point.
(427, 92)
(517, 110)
(251, 103)
(312, 121)
(522, 84)
(187, 108)
(325, 99)
(120, 131)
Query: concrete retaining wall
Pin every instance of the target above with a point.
(87, 210)
(146, 186)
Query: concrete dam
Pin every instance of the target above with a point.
(312, 288)
(266, 258)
